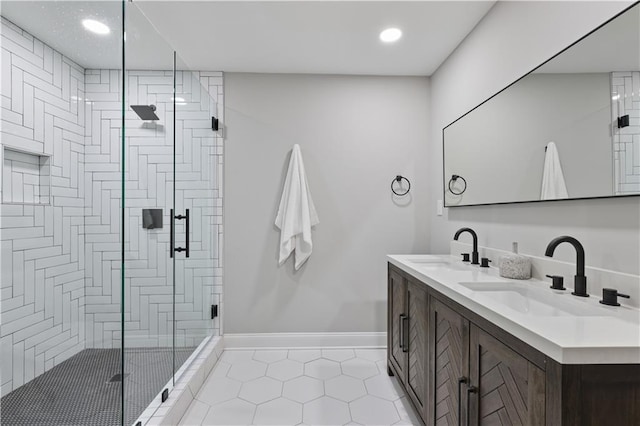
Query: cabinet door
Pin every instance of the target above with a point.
(449, 364)
(418, 342)
(397, 321)
(510, 389)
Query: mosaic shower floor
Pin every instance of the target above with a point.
(82, 391)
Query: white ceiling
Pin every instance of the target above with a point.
(59, 24)
(331, 37)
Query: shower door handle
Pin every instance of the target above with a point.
(172, 247)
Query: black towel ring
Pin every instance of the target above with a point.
(399, 180)
(453, 180)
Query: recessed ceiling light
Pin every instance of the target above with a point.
(95, 26)
(390, 35)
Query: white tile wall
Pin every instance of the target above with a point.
(625, 99)
(42, 296)
(25, 177)
(149, 184)
(61, 287)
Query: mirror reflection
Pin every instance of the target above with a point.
(569, 129)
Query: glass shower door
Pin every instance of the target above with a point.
(172, 215)
(148, 186)
(196, 201)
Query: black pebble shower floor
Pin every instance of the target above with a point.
(79, 391)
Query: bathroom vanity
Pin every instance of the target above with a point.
(472, 348)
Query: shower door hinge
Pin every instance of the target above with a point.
(214, 311)
(623, 121)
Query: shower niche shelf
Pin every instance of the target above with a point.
(26, 177)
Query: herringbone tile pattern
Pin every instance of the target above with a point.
(61, 273)
(149, 177)
(625, 89)
(43, 266)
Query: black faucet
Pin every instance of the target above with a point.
(580, 281)
(474, 255)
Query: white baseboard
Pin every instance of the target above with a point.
(305, 340)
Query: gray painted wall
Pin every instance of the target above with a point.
(356, 134)
(513, 38)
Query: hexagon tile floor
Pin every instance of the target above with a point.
(301, 387)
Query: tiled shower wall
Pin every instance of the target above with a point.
(26, 178)
(625, 99)
(60, 262)
(149, 165)
(43, 267)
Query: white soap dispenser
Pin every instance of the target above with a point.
(514, 265)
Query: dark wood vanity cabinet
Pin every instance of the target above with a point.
(396, 322)
(408, 330)
(417, 341)
(449, 338)
(506, 388)
(479, 379)
(460, 369)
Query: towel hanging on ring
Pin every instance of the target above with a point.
(296, 213)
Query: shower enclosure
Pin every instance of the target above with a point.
(111, 215)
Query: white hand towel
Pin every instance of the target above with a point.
(296, 214)
(553, 186)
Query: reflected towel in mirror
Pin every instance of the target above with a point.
(553, 185)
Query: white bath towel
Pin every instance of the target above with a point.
(553, 185)
(296, 214)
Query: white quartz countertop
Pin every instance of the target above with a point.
(568, 329)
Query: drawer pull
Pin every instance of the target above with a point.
(461, 381)
(470, 390)
(401, 330)
(405, 329)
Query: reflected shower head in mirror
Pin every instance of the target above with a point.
(145, 112)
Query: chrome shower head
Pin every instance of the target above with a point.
(145, 112)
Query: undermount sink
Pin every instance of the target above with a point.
(435, 263)
(529, 300)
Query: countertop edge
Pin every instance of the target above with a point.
(562, 355)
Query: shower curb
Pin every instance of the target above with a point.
(190, 379)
